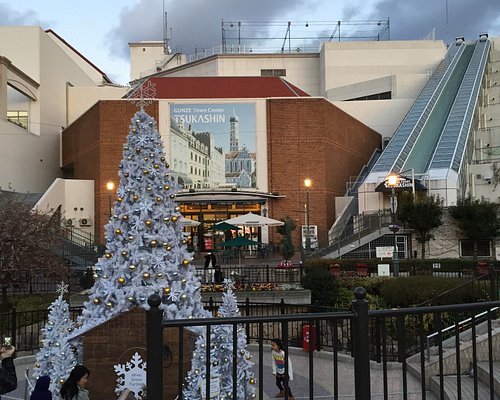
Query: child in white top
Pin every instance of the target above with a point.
(278, 364)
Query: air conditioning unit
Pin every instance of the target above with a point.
(69, 222)
(85, 221)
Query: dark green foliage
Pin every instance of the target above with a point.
(421, 213)
(413, 290)
(477, 219)
(287, 248)
(323, 286)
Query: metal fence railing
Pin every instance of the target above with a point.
(406, 343)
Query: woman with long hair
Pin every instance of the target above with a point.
(74, 387)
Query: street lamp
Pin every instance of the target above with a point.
(392, 181)
(110, 186)
(307, 184)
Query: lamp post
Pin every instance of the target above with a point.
(392, 181)
(110, 186)
(307, 184)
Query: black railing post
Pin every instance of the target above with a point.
(267, 273)
(361, 346)
(493, 286)
(282, 306)
(247, 313)
(154, 344)
(13, 325)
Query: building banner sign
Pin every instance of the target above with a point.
(213, 145)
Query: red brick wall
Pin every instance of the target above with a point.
(116, 341)
(311, 138)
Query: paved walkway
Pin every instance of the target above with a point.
(324, 377)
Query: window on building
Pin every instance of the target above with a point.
(376, 96)
(273, 72)
(467, 248)
(18, 117)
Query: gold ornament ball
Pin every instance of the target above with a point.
(125, 174)
(129, 158)
(156, 166)
(166, 219)
(184, 241)
(146, 275)
(167, 290)
(185, 262)
(166, 187)
(119, 199)
(121, 280)
(162, 159)
(166, 165)
(184, 296)
(134, 130)
(153, 243)
(130, 298)
(172, 196)
(149, 188)
(107, 255)
(61, 381)
(146, 159)
(130, 238)
(95, 276)
(96, 301)
(138, 150)
(124, 253)
(248, 357)
(177, 208)
(183, 281)
(131, 267)
(165, 244)
(145, 172)
(148, 223)
(109, 304)
(37, 365)
(125, 218)
(159, 274)
(136, 197)
(175, 218)
(158, 199)
(118, 231)
(252, 381)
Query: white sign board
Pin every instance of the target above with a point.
(384, 251)
(383, 270)
(313, 235)
(214, 388)
(131, 376)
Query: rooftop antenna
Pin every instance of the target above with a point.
(166, 44)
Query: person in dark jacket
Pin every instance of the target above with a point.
(41, 391)
(8, 378)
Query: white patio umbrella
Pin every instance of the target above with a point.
(188, 222)
(252, 219)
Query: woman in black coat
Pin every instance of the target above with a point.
(8, 378)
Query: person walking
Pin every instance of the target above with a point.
(41, 391)
(8, 378)
(74, 387)
(278, 356)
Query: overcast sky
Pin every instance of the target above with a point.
(102, 29)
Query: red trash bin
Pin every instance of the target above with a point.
(308, 337)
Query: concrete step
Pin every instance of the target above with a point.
(483, 374)
(466, 385)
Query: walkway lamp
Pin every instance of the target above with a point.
(110, 186)
(307, 184)
(392, 181)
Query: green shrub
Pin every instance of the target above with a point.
(409, 291)
(323, 286)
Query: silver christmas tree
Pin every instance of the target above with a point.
(221, 359)
(56, 358)
(146, 250)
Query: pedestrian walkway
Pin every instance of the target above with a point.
(323, 377)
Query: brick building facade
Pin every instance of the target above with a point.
(306, 138)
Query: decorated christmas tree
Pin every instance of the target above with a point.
(221, 359)
(146, 251)
(56, 358)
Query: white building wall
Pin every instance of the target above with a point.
(31, 159)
